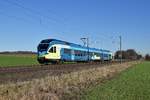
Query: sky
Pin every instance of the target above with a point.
(24, 23)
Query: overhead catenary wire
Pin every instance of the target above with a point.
(53, 16)
(101, 39)
(34, 12)
(62, 18)
(25, 20)
(14, 17)
(41, 19)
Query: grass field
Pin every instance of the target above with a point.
(18, 59)
(133, 84)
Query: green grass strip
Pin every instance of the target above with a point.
(17, 60)
(132, 84)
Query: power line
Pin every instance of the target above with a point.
(56, 19)
(56, 15)
(39, 18)
(2, 13)
(5, 13)
(101, 38)
(32, 11)
(14, 17)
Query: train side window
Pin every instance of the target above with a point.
(54, 49)
(67, 51)
(51, 50)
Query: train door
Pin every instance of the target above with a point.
(54, 53)
(72, 55)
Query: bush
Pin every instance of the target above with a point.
(147, 57)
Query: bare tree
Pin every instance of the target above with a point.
(147, 57)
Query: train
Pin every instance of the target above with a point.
(55, 51)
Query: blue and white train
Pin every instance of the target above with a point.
(53, 50)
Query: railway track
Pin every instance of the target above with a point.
(27, 73)
(56, 67)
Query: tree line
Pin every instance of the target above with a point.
(127, 54)
(130, 54)
(147, 57)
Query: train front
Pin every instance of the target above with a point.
(42, 52)
(48, 51)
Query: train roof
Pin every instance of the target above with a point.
(71, 44)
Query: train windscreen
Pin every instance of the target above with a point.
(43, 47)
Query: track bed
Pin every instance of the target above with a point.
(27, 73)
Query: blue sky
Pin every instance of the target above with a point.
(23, 23)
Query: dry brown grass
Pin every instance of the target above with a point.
(64, 87)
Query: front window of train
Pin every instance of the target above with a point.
(43, 47)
